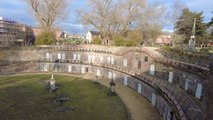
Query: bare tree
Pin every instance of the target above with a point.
(130, 12)
(98, 15)
(153, 19)
(48, 12)
(111, 17)
(177, 9)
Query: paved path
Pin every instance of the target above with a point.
(138, 107)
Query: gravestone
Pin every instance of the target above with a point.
(89, 58)
(125, 80)
(170, 77)
(112, 61)
(63, 56)
(98, 72)
(125, 62)
(101, 59)
(154, 99)
(192, 42)
(139, 88)
(93, 58)
(64, 109)
(109, 75)
(186, 84)
(114, 76)
(70, 68)
(78, 57)
(59, 56)
(152, 70)
(74, 57)
(82, 69)
(47, 56)
(46, 67)
(108, 60)
(52, 84)
(198, 91)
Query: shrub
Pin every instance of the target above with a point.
(204, 51)
(96, 40)
(134, 38)
(45, 38)
(119, 40)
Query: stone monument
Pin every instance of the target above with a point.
(191, 42)
(52, 84)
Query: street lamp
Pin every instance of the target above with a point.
(112, 88)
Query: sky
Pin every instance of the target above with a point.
(18, 10)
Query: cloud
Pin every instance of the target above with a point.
(18, 10)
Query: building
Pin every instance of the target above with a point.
(90, 35)
(164, 40)
(28, 35)
(14, 33)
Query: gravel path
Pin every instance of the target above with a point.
(138, 107)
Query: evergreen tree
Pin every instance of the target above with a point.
(210, 26)
(185, 23)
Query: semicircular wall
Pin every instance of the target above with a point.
(172, 90)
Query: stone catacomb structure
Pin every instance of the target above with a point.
(172, 85)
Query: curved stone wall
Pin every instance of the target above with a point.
(166, 83)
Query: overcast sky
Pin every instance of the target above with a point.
(18, 10)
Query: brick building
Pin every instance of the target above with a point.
(14, 33)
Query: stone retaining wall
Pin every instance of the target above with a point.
(157, 79)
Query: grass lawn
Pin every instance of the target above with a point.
(25, 98)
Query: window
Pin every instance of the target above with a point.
(56, 67)
(139, 64)
(146, 59)
(87, 69)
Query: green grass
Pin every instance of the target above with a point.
(25, 98)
